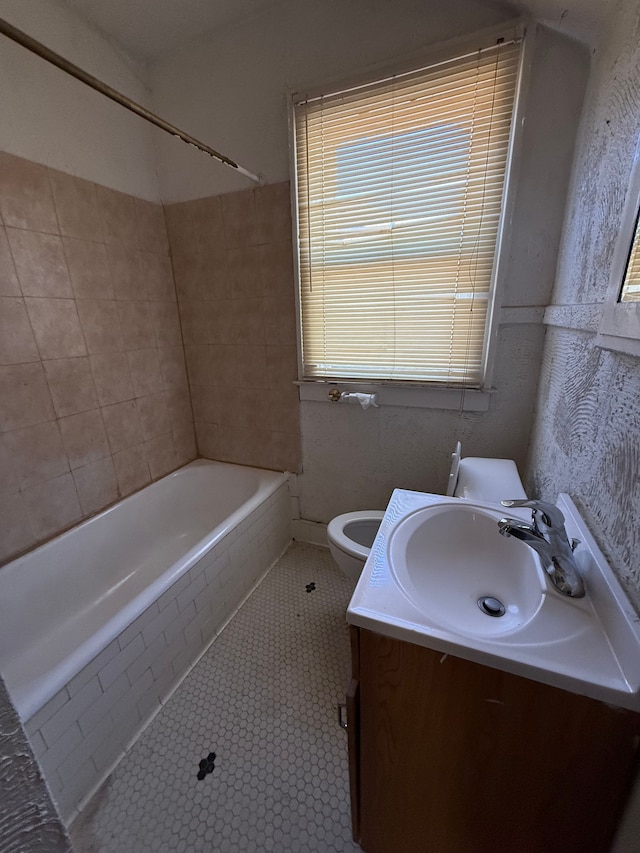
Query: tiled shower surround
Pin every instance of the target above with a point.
(233, 265)
(94, 400)
(82, 730)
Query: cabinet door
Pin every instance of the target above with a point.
(460, 758)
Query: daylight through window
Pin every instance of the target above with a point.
(400, 189)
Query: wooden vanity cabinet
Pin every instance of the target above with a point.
(449, 756)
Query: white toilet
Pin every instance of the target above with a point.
(479, 478)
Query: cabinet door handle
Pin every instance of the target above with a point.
(342, 720)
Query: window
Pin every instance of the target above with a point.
(619, 328)
(400, 187)
(631, 284)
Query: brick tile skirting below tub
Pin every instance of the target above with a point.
(87, 726)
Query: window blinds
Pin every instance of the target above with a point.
(400, 187)
(631, 285)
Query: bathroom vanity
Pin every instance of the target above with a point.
(451, 756)
(469, 733)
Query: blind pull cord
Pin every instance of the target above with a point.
(21, 38)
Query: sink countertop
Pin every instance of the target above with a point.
(589, 646)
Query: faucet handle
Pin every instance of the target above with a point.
(549, 513)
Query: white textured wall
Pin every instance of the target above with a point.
(586, 439)
(353, 459)
(28, 818)
(53, 119)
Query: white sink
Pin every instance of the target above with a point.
(435, 557)
(450, 561)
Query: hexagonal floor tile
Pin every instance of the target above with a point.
(262, 699)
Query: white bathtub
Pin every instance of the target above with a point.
(130, 597)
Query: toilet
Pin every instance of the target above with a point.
(350, 538)
(478, 478)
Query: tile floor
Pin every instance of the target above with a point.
(263, 699)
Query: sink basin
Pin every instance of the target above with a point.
(435, 557)
(453, 565)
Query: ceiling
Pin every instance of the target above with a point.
(584, 20)
(150, 29)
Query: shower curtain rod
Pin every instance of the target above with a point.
(11, 32)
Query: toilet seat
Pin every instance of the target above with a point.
(352, 530)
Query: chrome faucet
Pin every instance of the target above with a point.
(548, 538)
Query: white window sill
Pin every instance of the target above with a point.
(619, 328)
(401, 395)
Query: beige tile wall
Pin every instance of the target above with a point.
(233, 265)
(94, 399)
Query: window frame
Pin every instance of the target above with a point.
(619, 326)
(424, 393)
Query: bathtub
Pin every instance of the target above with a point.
(99, 625)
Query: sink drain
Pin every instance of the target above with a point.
(491, 606)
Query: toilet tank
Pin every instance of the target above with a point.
(483, 479)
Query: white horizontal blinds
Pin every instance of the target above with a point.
(631, 285)
(400, 188)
